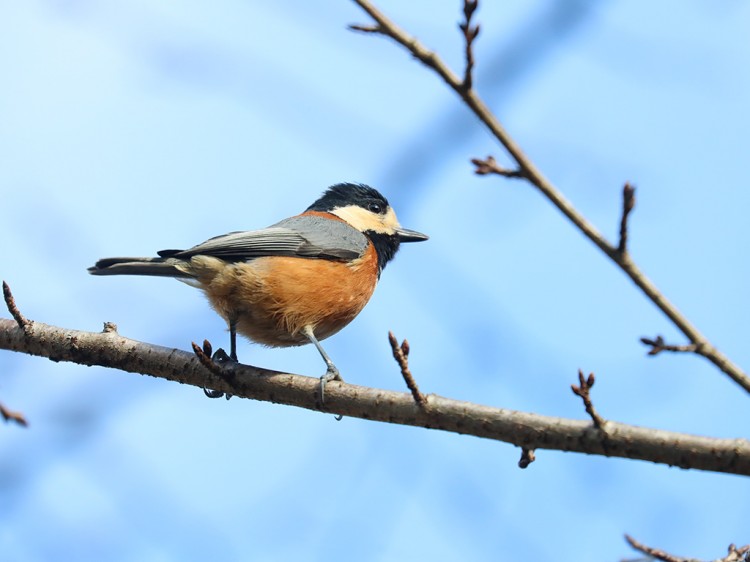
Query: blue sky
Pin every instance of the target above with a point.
(128, 127)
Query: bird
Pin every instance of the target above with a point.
(299, 281)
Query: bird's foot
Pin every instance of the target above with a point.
(215, 363)
(332, 374)
(220, 356)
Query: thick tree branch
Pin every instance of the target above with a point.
(529, 431)
(528, 170)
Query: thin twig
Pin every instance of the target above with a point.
(522, 429)
(584, 391)
(365, 28)
(654, 552)
(490, 166)
(401, 355)
(536, 178)
(628, 202)
(527, 457)
(10, 302)
(470, 34)
(734, 554)
(658, 345)
(10, 415)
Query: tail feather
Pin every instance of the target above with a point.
(157, 267)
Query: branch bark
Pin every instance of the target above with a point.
(528, 171)
(529, 431)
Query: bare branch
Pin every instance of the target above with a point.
(584, 391)
(734, 554)
(521, 429)
(470, 34)
(401, 355)
(10, 415)
(658, 345)
(529, 171)
(628, 203)
(654, 553)
(490, 166)
(389, 29)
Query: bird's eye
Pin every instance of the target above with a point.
(376, 208)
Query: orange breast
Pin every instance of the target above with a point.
(273, 298)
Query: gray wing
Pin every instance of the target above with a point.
(302, 236)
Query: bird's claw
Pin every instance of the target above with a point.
(220, 357)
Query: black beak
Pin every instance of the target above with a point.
(406, 235)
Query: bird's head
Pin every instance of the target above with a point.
(365, 209)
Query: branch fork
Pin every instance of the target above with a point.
(658, 345)
(584, 391)
(489, 165)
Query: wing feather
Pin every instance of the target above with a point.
(302, 236)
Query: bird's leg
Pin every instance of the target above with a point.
(220, 356)
(332, 373)
(233, 339)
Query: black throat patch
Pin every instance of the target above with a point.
(386, 246)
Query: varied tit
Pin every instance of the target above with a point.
(298, 281)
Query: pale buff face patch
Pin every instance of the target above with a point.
(364, 220)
